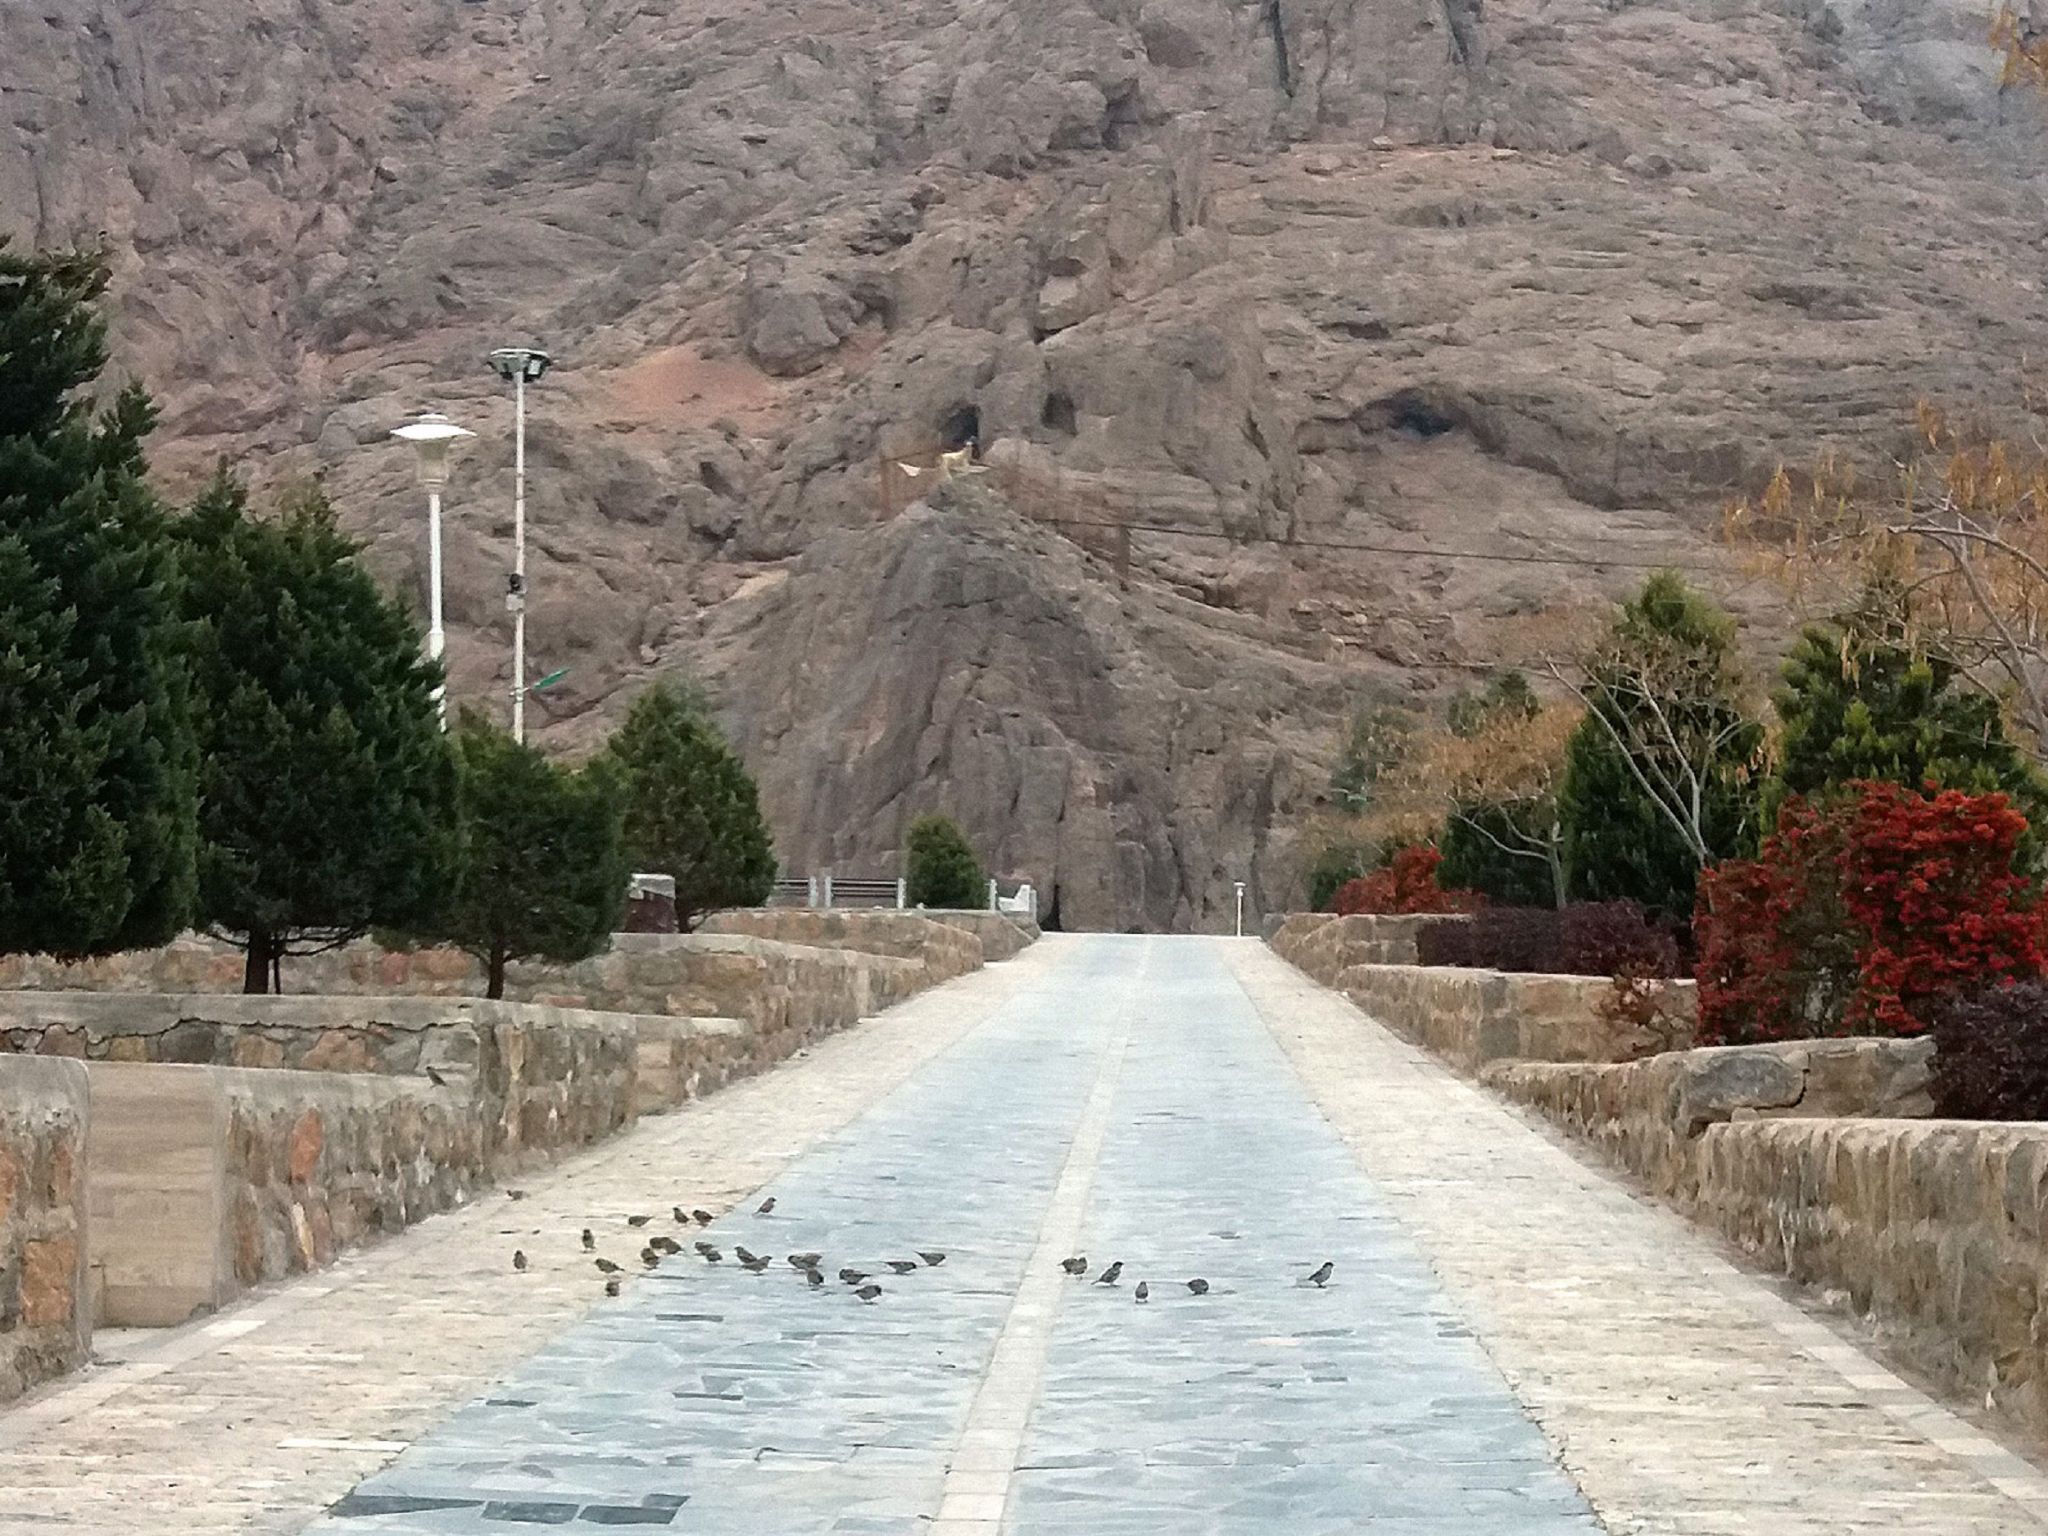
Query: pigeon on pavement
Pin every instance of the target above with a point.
(1322, 1274)
(611, 1286)
(766, 1207)
(1144, 1290)
(901, 1266)
(703, 1218)
(805, 1260)
(638, 1221)
(518, 1258)
(931, 1256)
(868, 1292)
(853, 1276)
(607, 1267)
(1199, 1286)
(1108, 1276)
(814, 1277)
(1077, 1265)
(589, 1240)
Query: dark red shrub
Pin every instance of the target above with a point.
(1592, 938)
(1406, 884)
(1991, 1053)
(1776, 948)
(1613, 938)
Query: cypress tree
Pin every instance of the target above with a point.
(543, 869)
(691, 809)
(1856, 704)
(940, 867)
(1663, 714)
(328, 798)
(97, 759)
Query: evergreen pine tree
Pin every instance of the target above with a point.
(940, 867)
(543, 869)
(1658, 777)
(97, 760)
(1856, 704)
(691, 808)
(328, 798)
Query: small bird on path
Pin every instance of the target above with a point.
(664, 1245)
(1077, 1265)
(649, 1257)
(607, 1267)
(868, 1292)
(518, 1258)
(703, 1218)
(853, 1276)
(1199, 1286)
(638, 1221)
(931, 1256)
(1109, 1275)
(766, 1207)
(515, 1194)
(589, 1240)
(1321, 1274)
(611, 1286)
(744, 1255)
(805, 1260)
(814, 1278)
(682, 1216)
(757, 1264)
(901, 1266)
(1144, 1290)
(711, 1254)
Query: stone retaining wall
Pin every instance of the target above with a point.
(45, 1322)
(204, 1181)
(945, 949)
(1471, 1017)
(1326, 946)
(1936, 1229)
(539, 1078)
(1650, 1115)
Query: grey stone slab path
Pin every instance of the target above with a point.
(1131, 1103)
(1511, 1341)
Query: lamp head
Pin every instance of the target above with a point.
(432, 436)
(527, 363)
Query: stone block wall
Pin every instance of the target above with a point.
(946, 949)
(45, 1321)
(204, 1181)
(1649, 1116)
(1936, 1229)
(1471, 1017)
(538, 1078)
(1326, 946)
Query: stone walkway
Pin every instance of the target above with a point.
(1509, 1343)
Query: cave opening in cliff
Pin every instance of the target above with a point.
(961, 428)
(1412, 414)
(1049, 919)
(1058, 415)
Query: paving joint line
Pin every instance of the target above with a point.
(980, 1476)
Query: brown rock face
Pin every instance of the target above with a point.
(49, 1281)
(1270, 282)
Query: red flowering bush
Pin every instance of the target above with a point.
(1929, 881)
(1406, 883)
(1857, 917)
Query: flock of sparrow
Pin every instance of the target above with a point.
(811, 1265)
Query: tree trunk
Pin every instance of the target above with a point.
(259, 962)
(494, 983)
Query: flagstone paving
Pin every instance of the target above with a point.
(1509, 1341)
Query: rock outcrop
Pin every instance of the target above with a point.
(1290, 287)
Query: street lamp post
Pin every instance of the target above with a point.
(520, 365)
(1240, 907)
(433, 436)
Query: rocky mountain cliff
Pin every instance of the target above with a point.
(1296, 288)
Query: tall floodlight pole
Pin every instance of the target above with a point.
(520, 365)
(433, 437)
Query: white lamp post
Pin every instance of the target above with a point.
(1239, 884)
(433, 437)
(521, 366)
